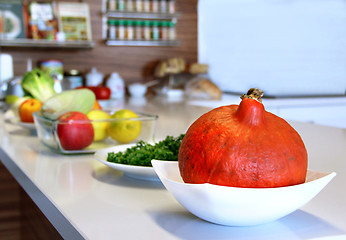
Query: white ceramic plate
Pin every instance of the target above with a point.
(11, 118)
(234, 206)
(138, 172)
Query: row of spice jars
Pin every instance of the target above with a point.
(121, 29)
(155, 6)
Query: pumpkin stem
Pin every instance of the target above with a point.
(253, 93)
(249, 111)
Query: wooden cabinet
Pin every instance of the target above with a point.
(20, 218)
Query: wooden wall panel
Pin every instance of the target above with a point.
(34, 224)
(134, 63)
(20, 218)
(9, 206)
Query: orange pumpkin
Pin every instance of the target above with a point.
(243, 146)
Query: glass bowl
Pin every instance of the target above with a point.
(47, 132)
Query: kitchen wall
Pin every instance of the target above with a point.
(131, 62)
(285, 48)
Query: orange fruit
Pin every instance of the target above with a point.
(27, 108)
(97, 106)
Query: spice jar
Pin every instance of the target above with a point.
(163, 6)
(146, 6)
(112, 5)
(163, 30)
(129, 5)
(146, 30)
(112, 31)
(138, 30)
(171, 31)
(155, 32)
(154, 6)
(121, 29)
(121, 5)
(129, 30)
(138, 6)
(171, 6)
(74, 78)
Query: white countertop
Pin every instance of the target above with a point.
(85, 199)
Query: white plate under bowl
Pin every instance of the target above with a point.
(138, 172)
(11, 118)
(234, 206)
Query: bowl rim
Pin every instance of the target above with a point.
(141, 117)
(251, 206)
(307, 181)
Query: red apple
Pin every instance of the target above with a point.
(75, 131)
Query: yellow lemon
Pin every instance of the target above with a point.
(124, 130)
(100, 126)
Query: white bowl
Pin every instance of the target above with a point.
(233, 206)
(137, 90)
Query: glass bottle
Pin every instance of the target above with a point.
(129, 30)
(121, 5)
(121, 29)
(146, 6)
(146, 30)
(129, 5)
(155, 32)
(171, 31)
(138, 30)
(163, 30)
(138, 6)
(163, 6)
(112, 5)
(171, 6)
(154, 6)
(112, 31)
(74, 77)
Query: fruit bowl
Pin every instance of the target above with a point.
(233, 206)
(47, 132)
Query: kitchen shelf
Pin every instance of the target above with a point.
(141, 43)
(134, 15)
(33, 43)
(142, 15)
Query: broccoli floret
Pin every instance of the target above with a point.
(38, 84)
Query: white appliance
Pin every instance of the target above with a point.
(285, 48)
(6, 67)
(6, 72)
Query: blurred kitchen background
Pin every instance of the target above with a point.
(295, 51)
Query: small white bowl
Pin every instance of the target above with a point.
(137, 90)
(233, 206)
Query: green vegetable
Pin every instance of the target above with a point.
(80, 100)
(38, 84)
(142, 153)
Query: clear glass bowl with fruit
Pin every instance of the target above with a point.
(71, 123)
(72, 135)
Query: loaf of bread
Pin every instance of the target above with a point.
(202, 88)
(197, 68)
(170, 66)
(160, 69)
